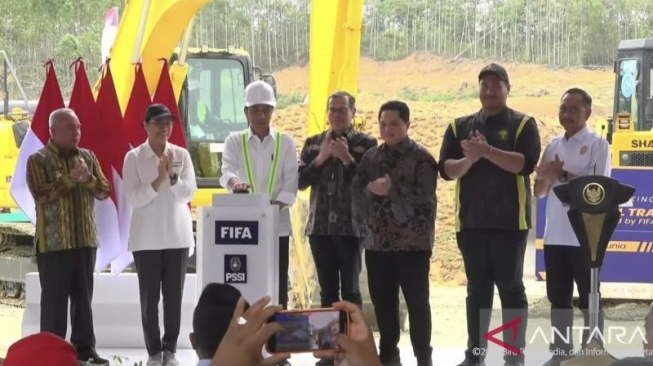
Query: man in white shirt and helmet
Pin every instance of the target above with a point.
(267, 163)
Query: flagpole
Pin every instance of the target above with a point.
(136, 54)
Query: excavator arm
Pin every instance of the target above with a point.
(148, 31)
(336, 28)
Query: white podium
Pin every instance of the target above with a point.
(238, 244)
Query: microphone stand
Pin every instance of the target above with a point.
(594, 215)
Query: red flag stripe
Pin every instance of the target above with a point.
(165, 94)
(83, 103)
(112, 120)
(139, 100)
(51, 100)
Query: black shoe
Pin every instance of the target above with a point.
(284, 363)
(324, 362)
(93, 360)
(424, 363)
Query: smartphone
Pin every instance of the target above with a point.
(308, 330)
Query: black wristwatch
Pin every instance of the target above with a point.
(564, 177)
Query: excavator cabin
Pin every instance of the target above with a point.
(632, 126)
(212, 106)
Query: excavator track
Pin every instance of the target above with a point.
(16, 260)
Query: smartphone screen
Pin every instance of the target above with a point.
(307, 330)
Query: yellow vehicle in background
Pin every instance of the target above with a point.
(14, 123)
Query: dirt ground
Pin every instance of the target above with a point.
(438, 90)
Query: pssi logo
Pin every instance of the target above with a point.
(236, 232)
(235, 268)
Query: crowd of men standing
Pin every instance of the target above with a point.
(380, 198)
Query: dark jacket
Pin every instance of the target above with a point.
(405, 218)
(330, 211)
(488, 196)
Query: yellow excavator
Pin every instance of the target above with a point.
(209, 85)
(14, 123)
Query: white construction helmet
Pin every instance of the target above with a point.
(259, 92)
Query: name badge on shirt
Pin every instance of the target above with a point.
(176, 166)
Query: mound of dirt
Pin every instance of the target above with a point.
(438, 90)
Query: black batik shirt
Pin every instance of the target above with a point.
(330, 202)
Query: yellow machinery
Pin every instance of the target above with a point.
(14, 123)
(15, 242)
(150, 30)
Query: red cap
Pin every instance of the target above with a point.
(41, 349)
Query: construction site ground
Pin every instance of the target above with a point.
(437, 90)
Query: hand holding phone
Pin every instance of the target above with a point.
(246, 335)
(357, 346)
(308, 330)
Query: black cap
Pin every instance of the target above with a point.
(158, 110)
(495, 69)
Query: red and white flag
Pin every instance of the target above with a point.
(37, 136)
(115, 132)
(94, 134)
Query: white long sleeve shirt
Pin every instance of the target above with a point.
(160, 219)
(262, 156)
(584, 153)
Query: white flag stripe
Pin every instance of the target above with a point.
(19, 189)
(125, 257)
(108, 229)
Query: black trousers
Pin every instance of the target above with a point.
(284, 249)
(494, 257)
(564, 265)
(386, 273)
(68, 274)
(161, 272)
(338, 265)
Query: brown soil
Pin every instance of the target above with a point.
(536, 90)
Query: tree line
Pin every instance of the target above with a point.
(276, 32)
